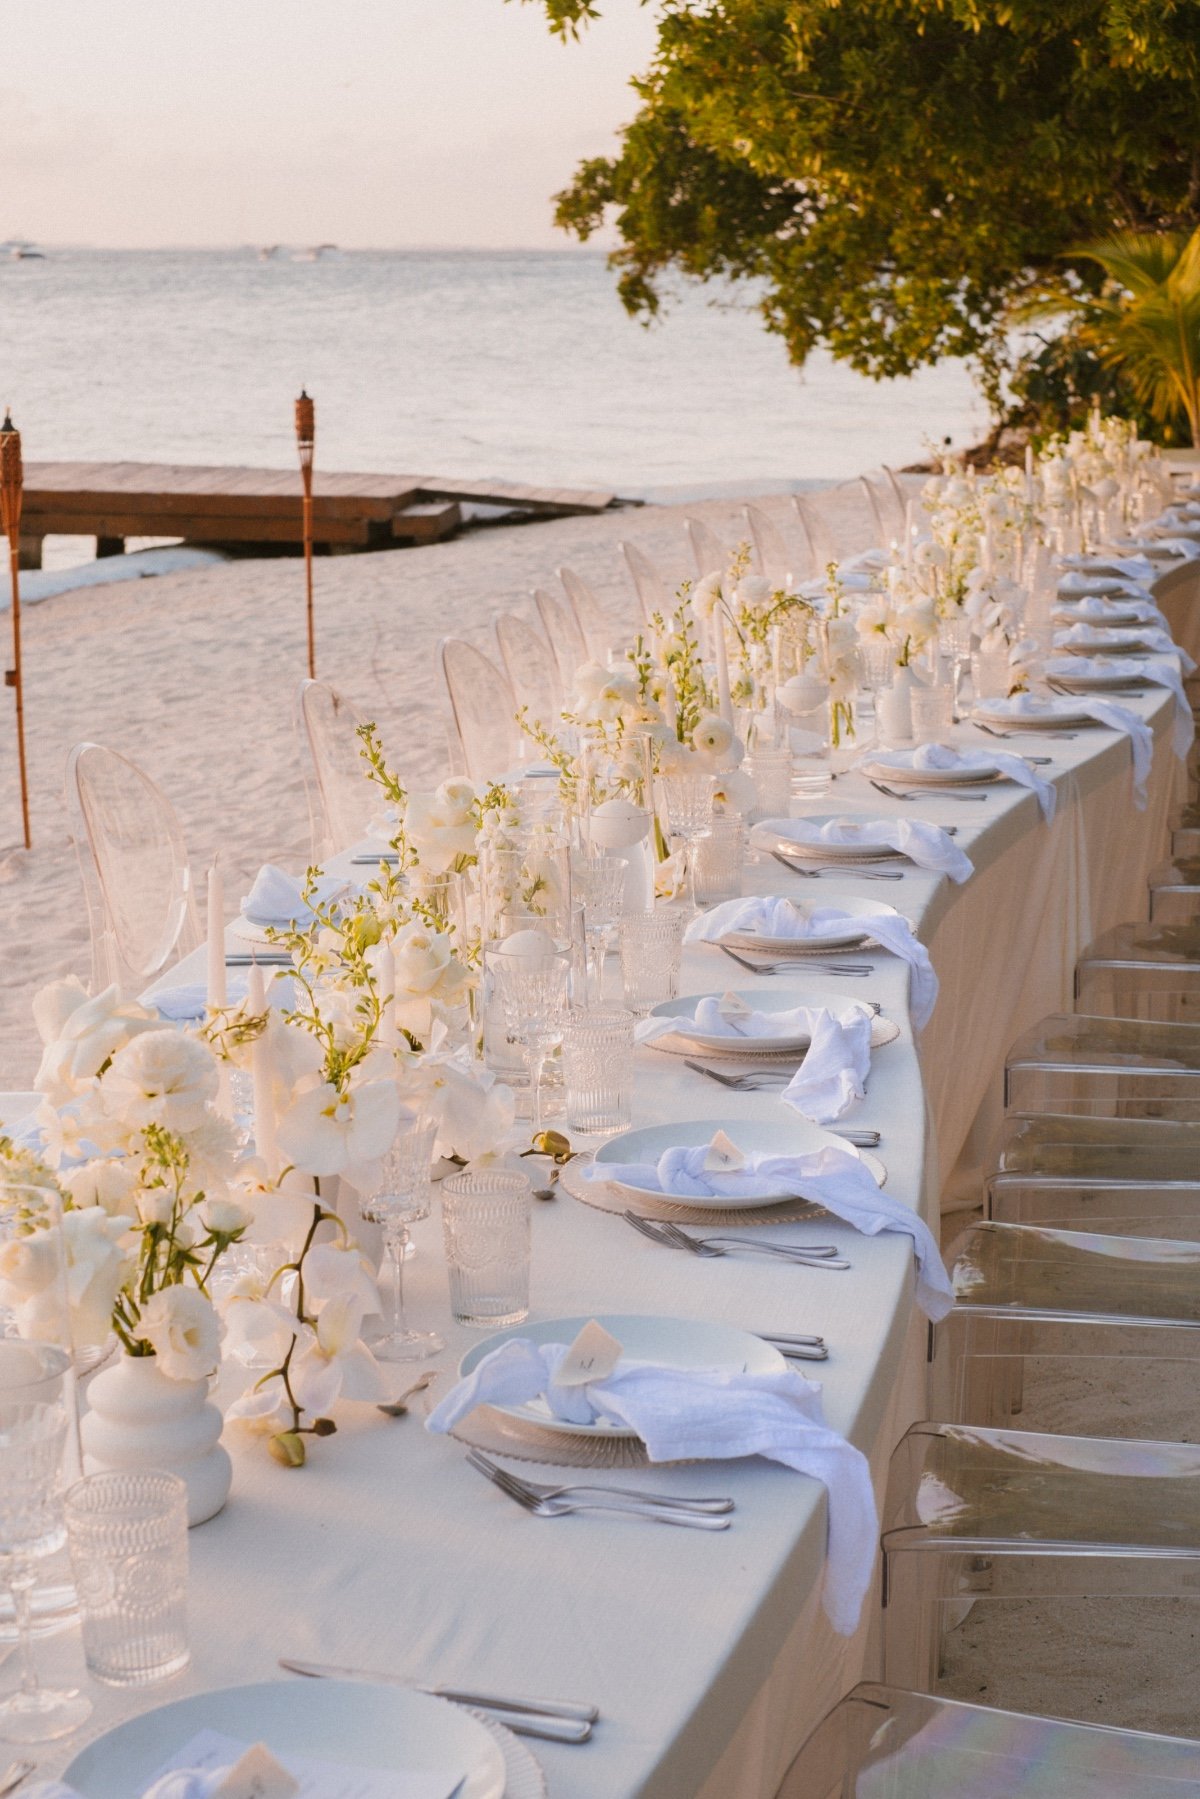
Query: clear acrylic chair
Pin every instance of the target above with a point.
(1054, 1324)
(709, 555)
(772, 557)
(589, 614)
(1142, 971)
(867, 488)
(981, 1515)
(900, 498)
(341, 800)
(1128, 1176)
(531, 669)
(133, 861)
(887, 1743)
(821, 546)
(564, 636)
(1175, 892)
(485, 711)
(648, 582)
(1105, 1068)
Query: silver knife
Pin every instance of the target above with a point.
(558, 1720)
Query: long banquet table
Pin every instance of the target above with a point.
(708, 1655)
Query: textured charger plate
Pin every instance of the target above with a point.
(606, 1196)
(523, 1776)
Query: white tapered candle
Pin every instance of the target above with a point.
(389, 1030)
(265, 1142)
(217, 991)
(724, 703)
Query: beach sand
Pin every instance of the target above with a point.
(194, 675)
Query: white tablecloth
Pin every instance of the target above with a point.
(707, 1654)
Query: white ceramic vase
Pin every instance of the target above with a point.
(893, 710)
(138, 1418)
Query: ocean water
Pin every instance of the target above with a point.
(517, 365)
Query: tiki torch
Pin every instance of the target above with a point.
(306, 431)
(12, 486)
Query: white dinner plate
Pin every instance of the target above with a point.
(379, 1727)
(1116, 619)
(1050, 715)
(901, 770)
(793, 1136)
(249, 932)
(1105, 643)
(777, 834)
(866, 909)
(672, 1342)
(883, 1030)
(1098, 682)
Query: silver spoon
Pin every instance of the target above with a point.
(396, 1408)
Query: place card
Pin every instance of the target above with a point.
(592, 1356)
(723, 1156)
(257, 1775)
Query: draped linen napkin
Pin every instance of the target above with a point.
(1095, 609)
(1134, 637)
(1155, 674)
(182, 1005)
(925, 844)
(1111, 576)
(277, 898)
(1105, 712)
(832, 1178)
(770, 915)
(942, 756)
(698, 1414)
(180, 1784)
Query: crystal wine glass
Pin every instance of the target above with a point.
(402, 1197)
(689, 803)
(534, 992)
(599, 882)
(34, 1421)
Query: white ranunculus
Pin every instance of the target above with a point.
(99, 1262)
(439, 828)
(713, 737)
(327, 1132)
(180, 1325)
(79, 1034)
(163, 1077)
(106, 1181)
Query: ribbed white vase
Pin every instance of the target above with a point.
(138, 1418)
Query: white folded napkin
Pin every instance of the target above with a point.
(942, 756)
(1186, 548)
(769, 915)
(832, 1178)
(1092, 609)
(689, 1414)
(1105, 712)
(925, 844)
(277, 898)
(1110, 575)
(1130, 637)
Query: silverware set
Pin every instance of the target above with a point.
(554, 1720)
(15, 1775)
(840, 868)
(796, 1349)
(941, 793)
(760, 1080)
(558, 1502)
(263, 958)
(669, 1236)
(1062, 736)
(795, 966)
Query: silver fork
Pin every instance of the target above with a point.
(559, 1508)
(941, 793)
(859, 874)
(791, 967)
(540, 1490)
(669, 1236)
(15, 1775)
(1062, 736)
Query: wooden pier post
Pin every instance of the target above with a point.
(11, 490)
(306, 431)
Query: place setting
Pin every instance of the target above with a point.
(855, 844)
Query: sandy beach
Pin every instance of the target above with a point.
(194, 676)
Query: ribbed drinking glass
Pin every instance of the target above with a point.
(486, 1218)
(651, 951)
(598, 1071)
(129, 1549)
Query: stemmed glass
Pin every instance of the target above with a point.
(689, 803)
(34, 1421)
(599, 881)
(954, 641)
(534, 991)
(402, 1197)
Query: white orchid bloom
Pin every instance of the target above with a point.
(475, 1111)
(80, 1034)
(332, 1271)
(334, 1363)
(327, 1132)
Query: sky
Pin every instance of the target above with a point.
(366, 123)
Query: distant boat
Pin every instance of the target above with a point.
(318, 253)
(268, 252)
(22, 252)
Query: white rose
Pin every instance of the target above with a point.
(438, 830)
(456, 798)
(80, 1034)
(28, 1265)
(154, 1205)
(755, 592)
(424, 961)
(706, 595)
(225, 1217)
(180, 1325)
(107, 1182)
(163, 1077)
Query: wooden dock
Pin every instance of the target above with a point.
(260, 508)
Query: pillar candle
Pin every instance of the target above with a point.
(910, 531)
(215, 920)
(389, 1031)
(261, 1072)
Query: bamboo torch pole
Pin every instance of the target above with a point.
(306, 431)
(12, 486)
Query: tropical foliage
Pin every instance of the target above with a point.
(895, 173)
